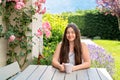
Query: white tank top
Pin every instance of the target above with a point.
(72, 58)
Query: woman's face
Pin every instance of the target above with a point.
(70, 34)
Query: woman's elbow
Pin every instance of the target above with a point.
(89, 64)
(52, 62)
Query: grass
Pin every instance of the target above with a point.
(113, 47)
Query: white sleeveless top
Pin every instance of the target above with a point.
(72, 58)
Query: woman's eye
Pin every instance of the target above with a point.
(72, 32)
(68, 32)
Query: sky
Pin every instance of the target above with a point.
(58, 6)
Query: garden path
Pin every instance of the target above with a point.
(88, 41)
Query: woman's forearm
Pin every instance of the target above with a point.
(81, 66)
(56, 64)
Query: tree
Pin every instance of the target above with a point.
(110, 7)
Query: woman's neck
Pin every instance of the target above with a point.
(71, 46)
(71, 43)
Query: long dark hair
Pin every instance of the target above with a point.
(64, 51)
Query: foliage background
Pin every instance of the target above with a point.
(92, 23)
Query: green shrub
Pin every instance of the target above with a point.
(93, 23)
(100, 25)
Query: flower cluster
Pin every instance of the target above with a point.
(109, 6)
(45, 29)
(39, 8)
(19, 4)
(100, 58)
(17, 17)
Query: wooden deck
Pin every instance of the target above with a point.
(43, 72)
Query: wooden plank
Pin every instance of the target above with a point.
(71, 76)
(9, 70)
(104, 74)
(48, 74)
(93, 74)
(13, 78)
(82, 74)
(27, 72)
(38, 73)
(58, 75)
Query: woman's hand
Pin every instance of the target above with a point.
(61, 67)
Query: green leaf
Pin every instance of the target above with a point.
(29, 51)
(22, 54)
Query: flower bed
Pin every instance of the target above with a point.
(101, 58)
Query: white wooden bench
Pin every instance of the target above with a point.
(9, 71)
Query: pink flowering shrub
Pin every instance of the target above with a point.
(45, 30)
(17, 27)
(39, 8)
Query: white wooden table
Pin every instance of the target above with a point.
(43, 72)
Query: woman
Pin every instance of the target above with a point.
(71, 50)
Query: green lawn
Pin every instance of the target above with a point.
(113, 47)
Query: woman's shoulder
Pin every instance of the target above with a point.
(59, 44)
(83, 44)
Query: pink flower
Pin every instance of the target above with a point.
(46, 25)
(48, 33)
(39, 33)
(11, 38)
(19, 5)
(42, 1)
(37, 3)
(38, 10)
(46, 30)
(43, 11)
(0, 1)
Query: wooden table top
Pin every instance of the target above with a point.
(44, 72)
